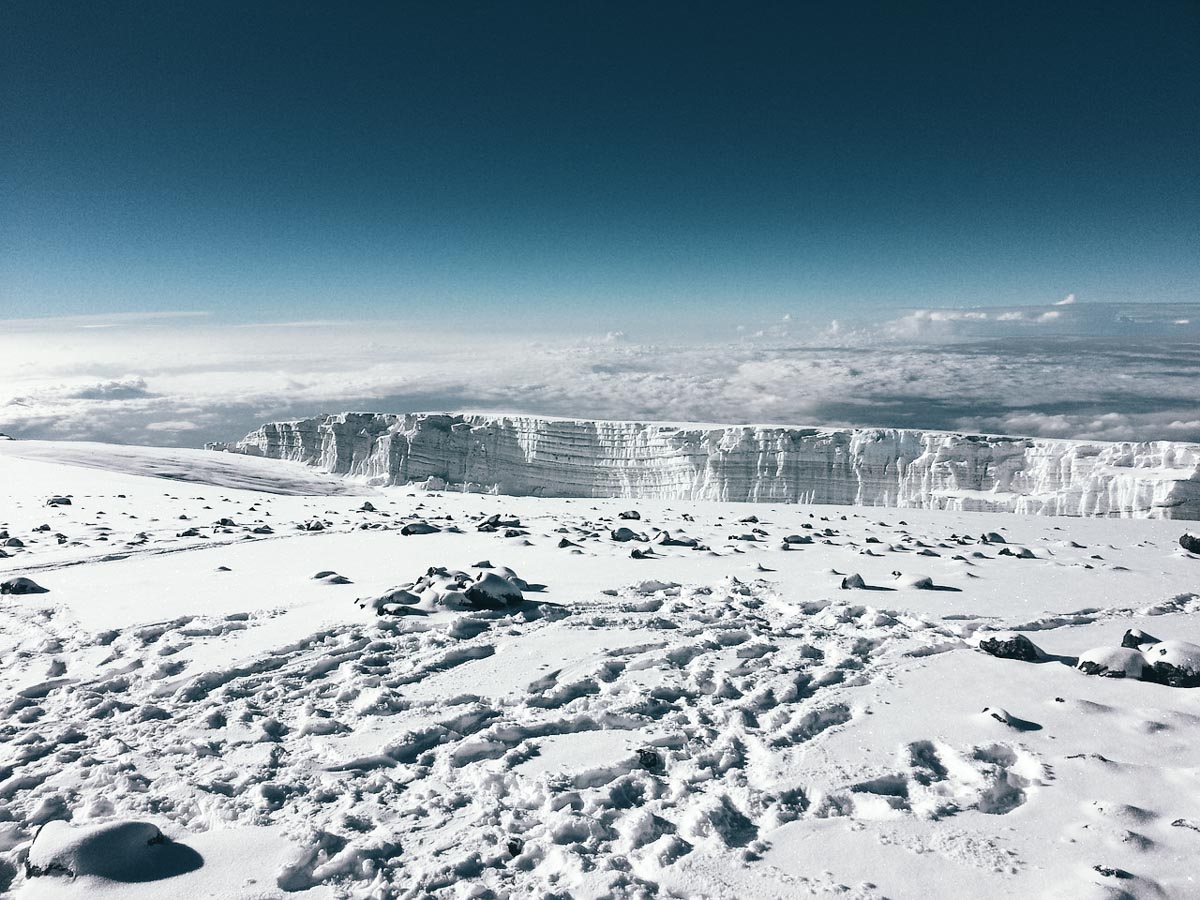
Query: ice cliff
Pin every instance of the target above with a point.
(866, 467)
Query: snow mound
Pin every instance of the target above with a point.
(125, 851)
(1175, 663)
(1112, 662)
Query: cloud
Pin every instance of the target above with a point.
(178, 425)
(123, 389)
(1067, 318)
(185, 385)
(100, 320)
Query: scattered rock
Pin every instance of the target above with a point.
(1174, 663)
(22, 585)
(1011, 646)
(622, 535)
(1190, 543)
(331, 577)
(1112, 662)
(419, 528)
(629, 514)
(1019, 553)
(1136, 639)
(853, 582)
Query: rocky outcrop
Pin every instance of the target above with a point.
(866, 467)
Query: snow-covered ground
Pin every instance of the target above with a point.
(720, 720)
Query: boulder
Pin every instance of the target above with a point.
(1112, 662)
(493, 591)
(622, 535)
(1135, 639)
(21, 585)
(1175, 663)
(419, 528)
(1011, 646)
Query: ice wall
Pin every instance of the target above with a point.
(867, 467)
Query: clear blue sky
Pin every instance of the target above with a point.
(558, 162)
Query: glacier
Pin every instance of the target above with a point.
(885, 467)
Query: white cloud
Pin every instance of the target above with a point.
(185, 385)
(177, 425)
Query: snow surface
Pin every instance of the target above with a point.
(721, 720)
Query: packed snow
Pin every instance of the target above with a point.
(234, 677)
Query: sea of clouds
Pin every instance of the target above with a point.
(1069, 370)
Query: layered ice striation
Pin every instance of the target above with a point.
(861, 466)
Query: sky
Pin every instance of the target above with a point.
(215, 212)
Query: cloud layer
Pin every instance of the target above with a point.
(1052, 371)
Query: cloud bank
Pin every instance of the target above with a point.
(1070, 370)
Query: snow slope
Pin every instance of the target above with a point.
(864, 467)
(719, 720)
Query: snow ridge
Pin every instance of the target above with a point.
(891, 467)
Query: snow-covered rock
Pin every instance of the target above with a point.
(1176, 663)
(1112, 662)
(871, 467)
(123, 851)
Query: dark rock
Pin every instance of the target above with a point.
(21, 585)
(621, 535)
(629, 514)
(1173, 663)
(1190, 543)
(1011, 646)
(649, 759)
(1135, 638)
(419, 528)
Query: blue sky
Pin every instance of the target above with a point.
(568, 168)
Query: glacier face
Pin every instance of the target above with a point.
(867, 467)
